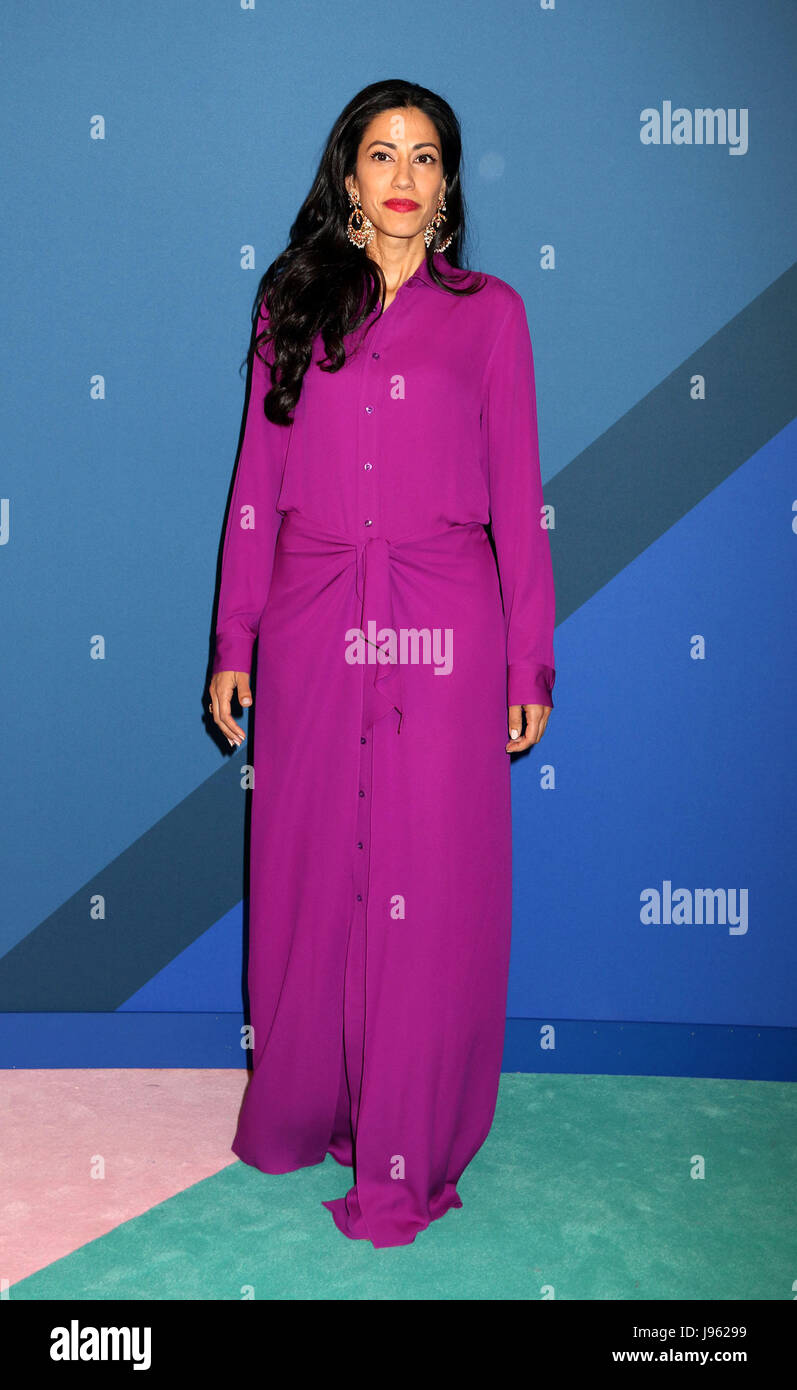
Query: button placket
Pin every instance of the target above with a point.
(356, 957)
(370, 404)
(363, 827)
(362, 851)
(355, 982)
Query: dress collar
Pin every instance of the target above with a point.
(422, 277)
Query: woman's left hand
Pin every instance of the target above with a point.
(536, 720)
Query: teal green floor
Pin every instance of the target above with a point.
(583, 1190)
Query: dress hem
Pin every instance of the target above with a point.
(339, 1212)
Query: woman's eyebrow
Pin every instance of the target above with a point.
(417, 146)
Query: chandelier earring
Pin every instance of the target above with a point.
(359, 228)
(431, 228)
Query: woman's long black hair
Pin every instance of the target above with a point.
(316, 285)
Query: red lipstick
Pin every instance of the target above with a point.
(401, 205)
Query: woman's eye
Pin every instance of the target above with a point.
(376, 153)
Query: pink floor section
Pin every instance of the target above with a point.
(83, 1151)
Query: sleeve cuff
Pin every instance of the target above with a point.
(233, 653)
(530, 684)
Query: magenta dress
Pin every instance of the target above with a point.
(380, 887)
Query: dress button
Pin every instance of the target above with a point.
(359, 897)
(367, 465)
(374, 354)
(362, 793)
(359, 844)
(362, 740)
(369, 410)
(368, 523)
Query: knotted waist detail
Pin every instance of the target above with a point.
(373, 557)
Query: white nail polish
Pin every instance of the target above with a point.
(515, 733)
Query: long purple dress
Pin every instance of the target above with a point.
(380, 887)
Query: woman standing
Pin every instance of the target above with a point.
(399, 420)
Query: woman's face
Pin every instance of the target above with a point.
(399, 161)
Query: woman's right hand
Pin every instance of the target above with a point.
(221, 688)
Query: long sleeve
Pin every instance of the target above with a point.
(252, 525)
(523, 549)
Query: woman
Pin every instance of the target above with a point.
(399, 420)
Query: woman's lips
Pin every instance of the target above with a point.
(401, 205)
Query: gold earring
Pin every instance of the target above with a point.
(359, 228)
(430, 230)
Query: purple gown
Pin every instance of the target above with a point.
(380, 884)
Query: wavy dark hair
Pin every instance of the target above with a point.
(321, 283)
